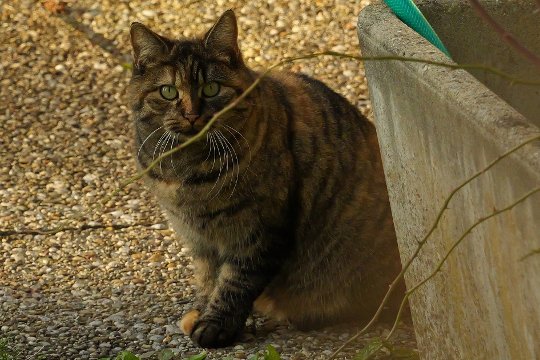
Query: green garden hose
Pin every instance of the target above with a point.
(407, 12)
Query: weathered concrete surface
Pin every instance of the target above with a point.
(437, 128)
(471, 41)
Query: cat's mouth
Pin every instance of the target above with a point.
(184, 128)
(191, 132)
(183, 131)
(184, 134)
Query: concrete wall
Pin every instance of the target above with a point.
(436, 128)
(471, 41)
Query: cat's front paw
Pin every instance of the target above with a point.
(188, 321)
(211, 334)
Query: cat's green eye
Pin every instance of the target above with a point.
(168, 92)
(211, 89)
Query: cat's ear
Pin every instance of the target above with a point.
(222, 38)
(147, 45)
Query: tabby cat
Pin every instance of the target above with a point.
(284, 206)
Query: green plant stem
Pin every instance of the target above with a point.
(200, 135)
(52, 231)
(422, 242)
(409, 292)
(505, 35)
(530, 253)
(108, 46)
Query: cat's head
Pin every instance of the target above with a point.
(180, 84)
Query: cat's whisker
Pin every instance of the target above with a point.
(166, 145)
(213, 144)
(225, 150)
(145, 140)
(162, 149)
(229, 145)
(209, 146)
(225, 162)
(247, 168)
(237, 170)
(228, 128)
(225, 165)
(174, 139)
(236, 131)
(225, 127)
(157, 145)
(220, 167)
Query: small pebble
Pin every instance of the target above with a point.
(148, 13)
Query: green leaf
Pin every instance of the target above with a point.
(253, 357)
(271, 353)
(126, 355)
(404, 353)
(6, 351)
(200, 356)
(165, 354)
(369, 350)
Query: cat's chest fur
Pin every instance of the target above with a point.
(202, 224)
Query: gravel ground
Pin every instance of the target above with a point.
(123, 282)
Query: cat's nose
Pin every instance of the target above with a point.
(191, 117)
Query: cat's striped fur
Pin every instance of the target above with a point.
(284, 206)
